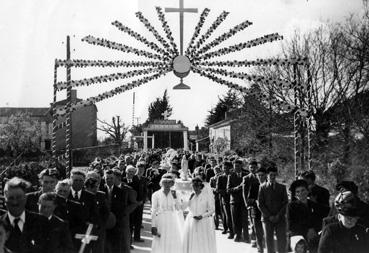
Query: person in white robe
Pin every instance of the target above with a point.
(167, 218)
(199, 231)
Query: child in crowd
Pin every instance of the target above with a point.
(298, 244)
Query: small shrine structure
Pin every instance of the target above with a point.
(165, 133)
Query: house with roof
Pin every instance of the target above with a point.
(84, 124)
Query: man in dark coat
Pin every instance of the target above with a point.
(92, 185)
(153, 175)
(86, 199)
(218, 206)
(250, 191)
(272, 202)
(119, 205)
(59, 238)
(139, 184)
(317, 193)
(209, 170)
(221, 189)
(346, 235)
(28, 229)
(238, 208)
(69, 210)
(48, 179)
(130, 196)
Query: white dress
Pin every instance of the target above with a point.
(167, 217)
(199, 235)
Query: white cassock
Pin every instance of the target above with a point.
(167, 217)
(199, 235)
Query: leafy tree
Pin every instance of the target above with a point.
(158, 107)
(136, 130)
(116, 130)
(229, 101)
(21, 133)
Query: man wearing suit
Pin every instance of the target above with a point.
(86, 199)
(317, 193)
(139, 184)
(92, 184)
(221, 189)
(238, 208)
(218, 207)
(28, 230)
(130, 197)
(209, 172)
(48, 179)
(272, 201)
(120, 207)
(59, 239)
(250, 191)
(69, 210)
(153, 174)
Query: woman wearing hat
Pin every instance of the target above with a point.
(346, 235)
(199, 232)
(167, 218)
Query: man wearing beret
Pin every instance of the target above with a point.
(48, 180)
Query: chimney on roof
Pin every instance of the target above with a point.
(74, 96)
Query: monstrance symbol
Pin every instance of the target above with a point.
(164, 57)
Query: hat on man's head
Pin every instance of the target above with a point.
(347, 186)
(346, 204)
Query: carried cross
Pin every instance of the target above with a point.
(181, 10)
(165, 115)
(86, 238)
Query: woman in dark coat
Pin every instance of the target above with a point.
(346, 235)
(305, 216)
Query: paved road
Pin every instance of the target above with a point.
(223, 244)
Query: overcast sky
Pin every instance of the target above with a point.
(33, 34)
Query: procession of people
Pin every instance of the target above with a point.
(100, 208)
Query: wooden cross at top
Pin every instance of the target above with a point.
(181, 10)
(165, 114)
(86, 238)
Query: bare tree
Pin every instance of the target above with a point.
(335, 75)
(116, 129)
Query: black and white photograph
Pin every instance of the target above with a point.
(184, 126)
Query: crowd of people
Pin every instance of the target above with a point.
(100, 209)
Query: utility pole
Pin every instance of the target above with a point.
(68, 132)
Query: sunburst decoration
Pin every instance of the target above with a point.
(201, 57)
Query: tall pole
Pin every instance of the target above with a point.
(68, 132)
(295, 119)
(270, 124)
(53, 144)
(309, 115)
(302, 121)
(133, 108)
